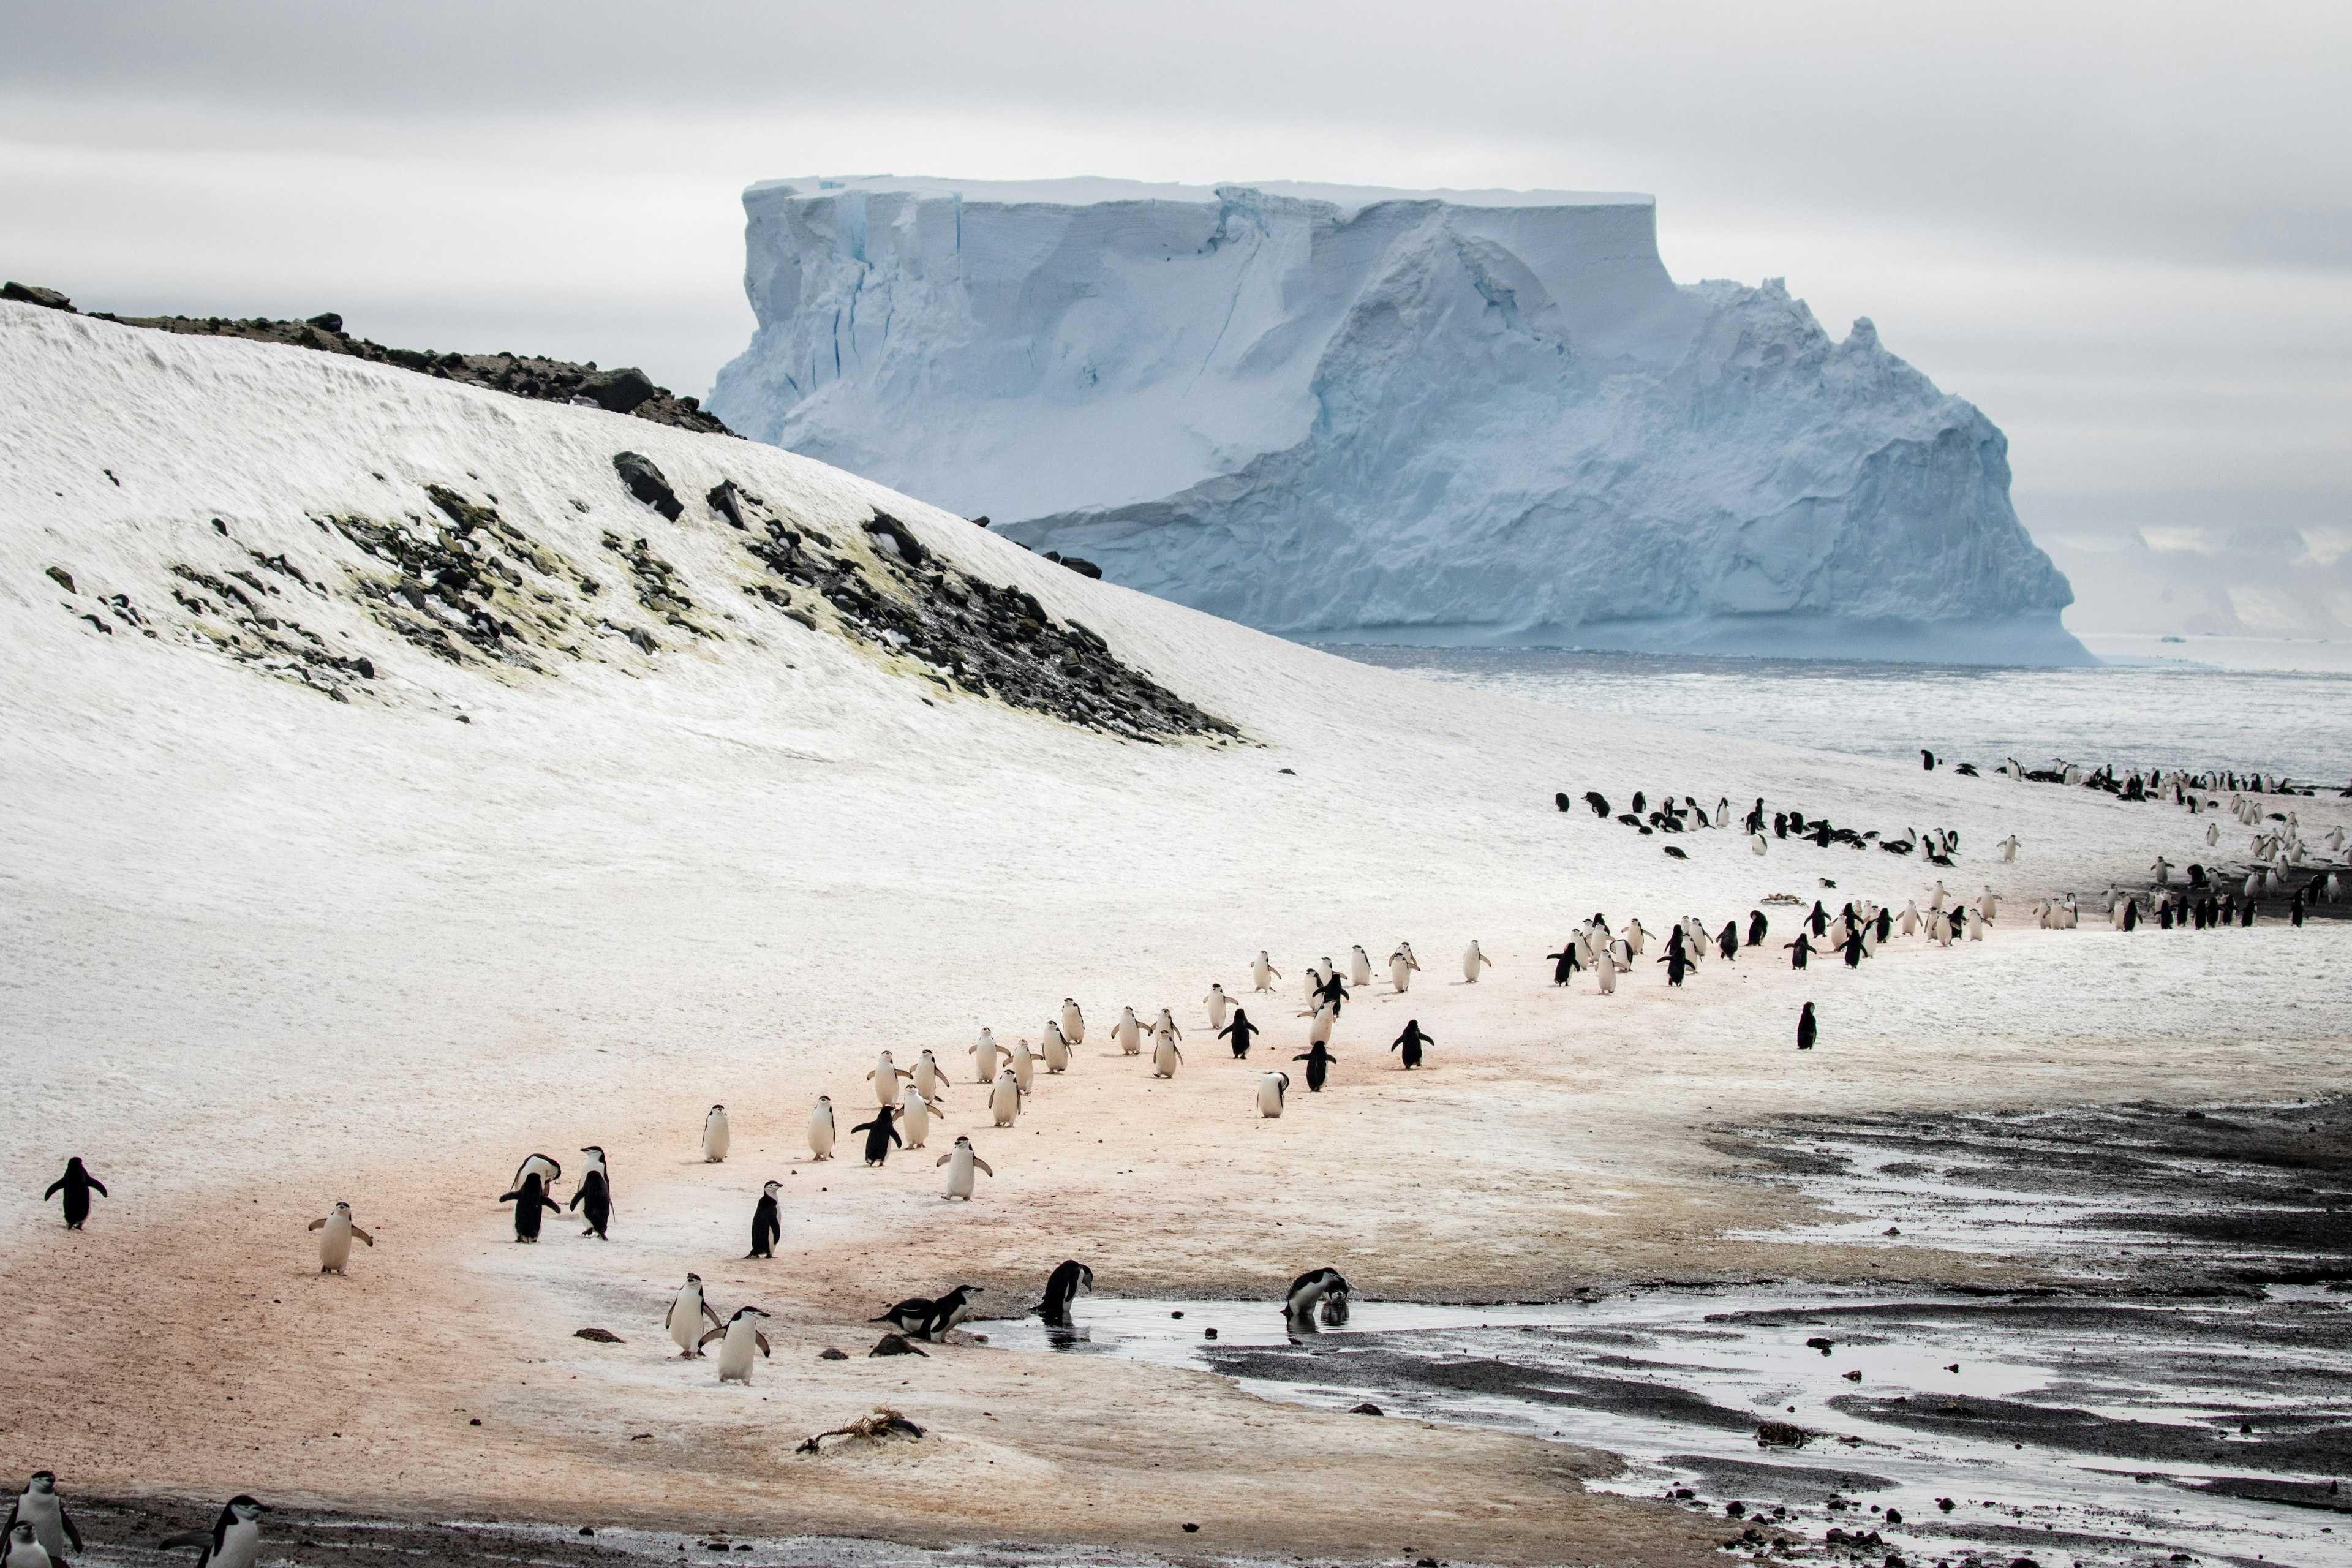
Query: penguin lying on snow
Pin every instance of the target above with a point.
(233, 1541)
(41, 1511)
(1066, 1282)
(907, 1316)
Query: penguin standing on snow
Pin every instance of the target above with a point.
(1271, 1087)
(40, 1510)
(1756, 926)
(1564, 963)
(928, 1076)
(820, 1128)
(915, 1115)
(1360, 967)
(1073, 1024)
(1472, 960)
(1217, 1000)
(1605, 970)
(687, 1309)
(1799, 951)
(336, 1232)
(1262, 973)
(1128, 1033)
(531, 1202)
(767, 1225)
(1400, 970)
(741, 1337)
(716, 1138)
(1165, 1058)
(1055, 1048)
(982, 1052)
(1332, 993)
(1728, 941)
(961, 1161)
(1240, 1031)
(77, 1185)
(1004, 1099)
(594, 1197)
(1411, 1042)
(1807, 1030)
(881, 1132)
(1319, 1060)
(885, 1079)
(1061, 1287)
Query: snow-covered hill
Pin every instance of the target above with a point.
(1363, 414)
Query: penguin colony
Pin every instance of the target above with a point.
(2281, 864)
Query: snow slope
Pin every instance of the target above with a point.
(261, 948)
(1386, 415)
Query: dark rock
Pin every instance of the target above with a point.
(645, 481)
(1852, 1377)
(587, 1530)
(727, 502)
(980, 521)
(34, 294)
(901, 541)
(1781, 1435)
(829, 1353)
(895, 1344)
(621, 391)
(1366, 1408)
(1893, 1516)
(1821, 1344)
(1192, 1530)
(63, 578)
(326, 321)
(1735, 1509)
(1082, 566)
(601, 1336)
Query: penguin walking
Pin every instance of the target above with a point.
(1263, 974)
(882, 1133)
(1319, 1060)
(1055, 1048)
(886, 1077)
(1757, 927)
(950, 1309)
(1411, 962)
(1808, 1030)
(1758, 845)
(1128, 1033)
(1564, 963)
(1799, 951)
(1217, 1000)
(41, 1510)
(1167, 1026)
(233, 1541)
(687, 1309)
(1271, 1087)
(1677, 963)
(1165, 1058)
(531, 1203)
(1333, 991)
(1472, 961)
(927, 1077)
(1318, 1033)
(1634, 939)
(1975, 924)
(715, 1139)
(1359, 966)
(593, 1199)
(1240, 1031)
(983, 1053)
(1411, 1042)
(820, 1128)
(1024, 1065)
(915, 1115)
(961, 1161)
(1604, 970)
(1910, 923)
(1004, 1099)
(2008, 848)
(767, 1225)
(77, 1185)
(907, 1316)
(1726, 942)
(739, 1338)
(1074, 1023)
(1400, 972)
(1062, 1287)
(335, 1233)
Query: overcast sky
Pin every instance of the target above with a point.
(2122, 230)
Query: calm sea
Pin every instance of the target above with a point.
(2166, 715)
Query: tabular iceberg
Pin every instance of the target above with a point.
(1353, 414)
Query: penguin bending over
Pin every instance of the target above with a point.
(687, 1309)
(335, 1240)
(907, 1316)
(594, 1193)
(1240, 1031)
(1271, 1087)
(1064, 1283)
(715, 1139)
(77, 1185)
(548, 1171)
(767, 1226)
(1411, 1042)
(1306, 1292)
(882, 1133)
(234, 1539)
(1319, 1060)
(962, 1161)
(530, 1201)
(743, 1336)
(949, 1311)
(41, 1510)
(820, 1128)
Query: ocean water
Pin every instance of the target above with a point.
(2168, 713)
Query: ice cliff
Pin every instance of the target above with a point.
(1377, 416)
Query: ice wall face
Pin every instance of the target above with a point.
(1347, 414)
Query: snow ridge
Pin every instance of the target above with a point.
(1390, 417)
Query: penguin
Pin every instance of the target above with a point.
(766, 1223)
(1471, 961)
(961, 1161)
(234, 1539)
(1165, 1058)
(1411, 962)
(951, 1309)
(1928, 760)
(530, 1201)
(548, 1171)
(1975, 924)
(1271, 1087)
(1758, 845)
(1319, 1060)
(1240, 1031)
(594, 1193)
(1004, 1099)
(1400, 972)
(983, 1052)
(1055, 1048)
(1605, 970)
(715, 1139)
(1677, 964)
(1306, 1292)
(1728, 942)
(820, 1129)
(2008, 848)
(1598, 803)
(1074, 1023)
(1411, 1042)
(1799, 951)
(1635, 939)
(335, 1241)
(1808, 1029)
(1854, 946)
(18, 1548)
(909, 1316)
(687, 1309)
(1217, 1000)
(1818, 920)
(1564, 963)
(928, 1078)
(1335, 1306)
(741, 1336)
(1066, 1281)
(1359, 966)
(1333, 991)
(1756, 926)
(77, 1185)
(1128, 1033)
(1167, 1024)
(42, 1512)
(1263, 974)
(1318, 1033)
(1910, 919)
(882, 1132)
(1024, 1065)
(915, 1115)
(885, 1079)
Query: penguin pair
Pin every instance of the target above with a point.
(37, 1520)
(1326, 1289)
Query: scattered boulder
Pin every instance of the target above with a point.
(63, 578)
(829, 1353)
(727, 502)
(898, 539)
(895, 1344)
(1781, 1435)
(326, 321)
(1366, 1408)
(645, 481)
(34, 294)
(601, 1336)
(621, 391)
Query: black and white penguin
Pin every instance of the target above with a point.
(531, 1203)
(1472, 961)
(767, 1225)
(1319, 1060)
(18, 1548)
(716, 1138)
(961, 1161)
(740, 1338)
(1306, 1292)
(593, 1196)
(77, 1185)
(543, 1166)
(1807, 1030)
(1728, 942)
(234, 1539)
(820, 1129)
(1678, 963)
(907, 1316)
(1240, 1031)
(1332, 992)
(949, 1311)
(40, 1509)
(1066, 1281)
(335, 1233)
(1756, 926)
(1565, 963)
(1271, 1089)
(880, 1133)
(1411, 1042)
(688, 1310)
(1799, 951)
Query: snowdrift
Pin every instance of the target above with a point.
(1392, 416)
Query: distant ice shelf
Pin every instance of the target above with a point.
(1359, 414)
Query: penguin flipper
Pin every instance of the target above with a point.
(982, 1164)
(363, 1236)
(944, 1157)
(64, 1518)
(186, 1538)
(509, 1197)
(315, 1225)
(762, 1338)
(716, 1333)
(709, 1313)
